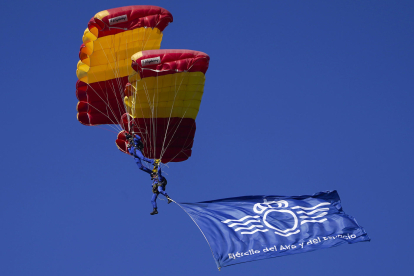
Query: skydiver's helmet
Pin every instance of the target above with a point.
(128, 136)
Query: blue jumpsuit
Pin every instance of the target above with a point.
(138, 156)
(160, 189)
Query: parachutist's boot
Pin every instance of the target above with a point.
(169, 199)
(154, 212)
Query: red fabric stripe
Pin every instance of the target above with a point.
(138, 16)
(99, 99)
(172, 61)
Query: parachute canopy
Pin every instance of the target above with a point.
(104, 63)
(162, 101)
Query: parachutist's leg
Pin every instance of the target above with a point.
(142, 157)
(154, 200)
(161, 191)
(141, 167)
(151, 161)
(145, 169)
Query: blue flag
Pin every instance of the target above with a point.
(250, 228)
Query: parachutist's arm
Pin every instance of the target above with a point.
(138, 154)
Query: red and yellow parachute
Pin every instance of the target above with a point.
(163, 99)
(110, 40)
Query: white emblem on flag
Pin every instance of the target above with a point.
(275, 215)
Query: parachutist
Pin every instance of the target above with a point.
(158, 187)
(135, 147)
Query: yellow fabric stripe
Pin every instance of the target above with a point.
(108, 57)
(108, 71)
(136, 56)
(173, 95)
(102, 14)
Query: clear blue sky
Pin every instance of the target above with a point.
(300, 97)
